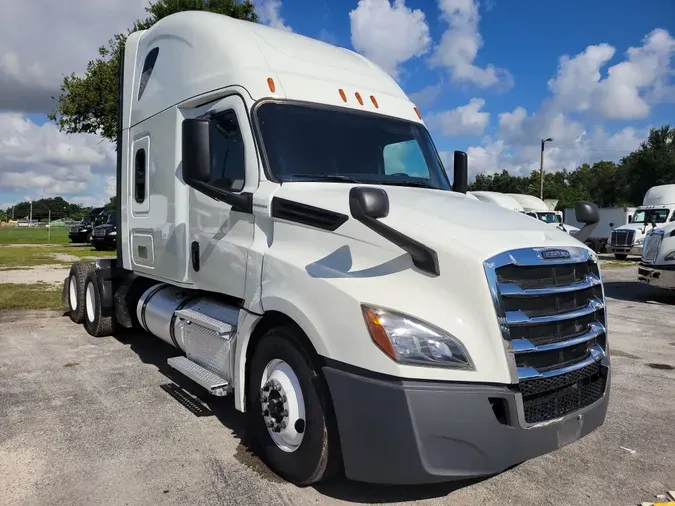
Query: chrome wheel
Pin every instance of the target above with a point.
(283, 405)
(90, 302)
(72, 293)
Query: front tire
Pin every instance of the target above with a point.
(95, 323)
(289, 410)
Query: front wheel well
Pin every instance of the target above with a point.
(275, 319)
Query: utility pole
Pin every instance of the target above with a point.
(541, 168)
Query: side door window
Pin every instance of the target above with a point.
(228, 162)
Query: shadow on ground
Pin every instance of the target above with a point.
(635, 291)
(195, 399)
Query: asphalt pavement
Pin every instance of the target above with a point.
(104, 421)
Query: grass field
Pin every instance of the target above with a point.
(35, 296)
(26, 235)
(12, 257)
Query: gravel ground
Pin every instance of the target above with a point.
(105, 421)
(29, 275)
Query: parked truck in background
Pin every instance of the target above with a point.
(285, 222)
(610, 219)
(657, 263)
(656, 210)
(81, 231)
(537, 208)
(500, 199)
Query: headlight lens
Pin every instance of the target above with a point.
(113, 233)
(670, 256)
(639, 241)
(411, 341)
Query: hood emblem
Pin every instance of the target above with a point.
(555, 254)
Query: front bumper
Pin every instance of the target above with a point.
(662, 276)
(412, 432)
(625, 250)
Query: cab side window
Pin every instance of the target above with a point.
(227, 152)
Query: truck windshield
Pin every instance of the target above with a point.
(305, 143)
(548, 217)
(645, 216)
(111, 219)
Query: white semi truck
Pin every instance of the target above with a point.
(610, 218)
(656, 210)
(500, 199)
(285, 223)
(537, 208)
(657, 263)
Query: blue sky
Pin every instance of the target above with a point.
(490, 77)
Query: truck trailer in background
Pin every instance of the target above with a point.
(610, 218)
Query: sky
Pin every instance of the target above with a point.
(491, 77)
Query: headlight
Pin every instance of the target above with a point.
(410, 341)
(670, 256)
(113, 233)
(639, 241)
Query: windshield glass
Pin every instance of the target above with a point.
(111, 219)
(645, 216)
(548, 217)
(313, 144)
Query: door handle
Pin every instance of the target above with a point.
(195, 255)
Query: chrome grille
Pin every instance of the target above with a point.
(74, 229)
(98, 232)
(650, 248)
(622, 238)
(551, 313)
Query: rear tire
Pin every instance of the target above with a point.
(78, 274)
(307, 450)
(620, 256)
(95, 323)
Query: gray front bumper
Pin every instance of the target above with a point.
(625, 250)
(655, 275)
(396, 431)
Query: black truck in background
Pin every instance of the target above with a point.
(81, 231)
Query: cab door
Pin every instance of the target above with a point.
(220, 237)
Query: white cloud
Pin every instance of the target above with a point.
(631, 87)
(389, 34)
(269, 12)
(464, 120)
(460, 44)
(40, 41)
(427, 95)
(47, 162)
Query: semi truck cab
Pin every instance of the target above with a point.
(656, 211)
(286, 224)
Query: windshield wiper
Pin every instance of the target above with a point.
(326, 177)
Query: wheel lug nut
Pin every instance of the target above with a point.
(283, 425)
(283, 398)
(284, 412)
(266, 412)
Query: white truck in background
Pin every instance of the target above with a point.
(657, 263)
(537, 208)
(656, 210)
(500, 199)
(610, 219)
(286, 224)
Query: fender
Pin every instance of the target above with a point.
(247, 325)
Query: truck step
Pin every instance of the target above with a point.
(212, 382)
(205, 321)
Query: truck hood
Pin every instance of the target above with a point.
(443, 220)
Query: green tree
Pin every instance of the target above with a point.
(112, 205)
(652, 164)
(88, 104)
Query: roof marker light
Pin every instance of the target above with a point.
(342, 94)
(270, 83)
(372, 99)
(417, 111)
(358, 97)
